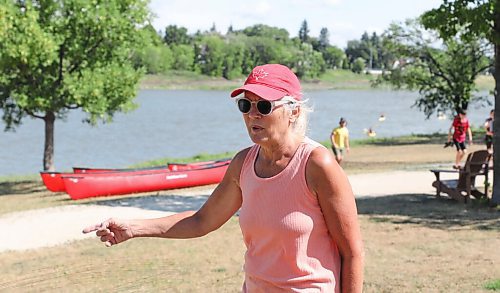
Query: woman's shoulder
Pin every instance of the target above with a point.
(320, 157)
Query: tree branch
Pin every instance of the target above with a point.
(90, 50)
(33, 114)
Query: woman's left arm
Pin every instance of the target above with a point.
(328, 182)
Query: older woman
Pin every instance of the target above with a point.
(297, 211)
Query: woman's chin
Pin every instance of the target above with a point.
(258, 139)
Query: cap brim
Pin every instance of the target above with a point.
(262, 91)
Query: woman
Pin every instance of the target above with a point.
(297, 211)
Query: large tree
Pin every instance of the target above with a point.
(472, 18)
(60, 55)
(444, 73)
(304, 32)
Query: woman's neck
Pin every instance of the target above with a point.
(284, 148)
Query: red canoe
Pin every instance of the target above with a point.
(86, 185)
(54, 182)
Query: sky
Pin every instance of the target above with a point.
(345, 19)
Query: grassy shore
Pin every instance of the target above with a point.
(413, 242)
(331, 79)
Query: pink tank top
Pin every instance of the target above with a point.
(288, 244)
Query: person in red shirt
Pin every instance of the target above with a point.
(460, 126)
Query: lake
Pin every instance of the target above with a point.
(176, 124)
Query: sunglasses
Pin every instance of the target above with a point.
(264, 107)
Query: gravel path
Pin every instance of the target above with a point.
(54, 226)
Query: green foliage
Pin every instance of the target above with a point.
(176, 35)
(465, 17)
(61, 55)
(444, 76)
(304, 32)
(334, 57)
(493, 285)
(237, 52)
(50, 48)
(262, 30)
(306, 62)
(183, 57)
(358, 66)
(210, 57)
(156, 59)
(324, 39)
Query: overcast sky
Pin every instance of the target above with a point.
(345, 19)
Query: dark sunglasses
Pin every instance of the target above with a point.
(264, 107)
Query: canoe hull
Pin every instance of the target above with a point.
(54, 182)
(80, 186)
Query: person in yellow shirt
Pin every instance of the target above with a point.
(340, 140)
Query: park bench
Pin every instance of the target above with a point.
(460, 189)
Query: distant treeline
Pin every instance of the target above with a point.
(234, 54)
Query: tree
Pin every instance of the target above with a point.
(307, 62)
(184, 56)
(211, 55)
(334, 57)
(156, 59)
(359, 65)
(262, 30)
(304, 32)
(176, 35)
(324, 39)
(474, 18)
(444, 76)
(56, 56)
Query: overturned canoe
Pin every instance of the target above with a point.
(85, 185)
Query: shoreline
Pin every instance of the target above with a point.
(330, 80)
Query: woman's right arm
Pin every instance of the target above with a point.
(217, 210)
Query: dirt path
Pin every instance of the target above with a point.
(57, 225)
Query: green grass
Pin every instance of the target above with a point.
(331, 79)
(434, 138)
(19, 178)
(493, 285)
(342, 79)
(198, 158)
(400, 140)
(485, 83)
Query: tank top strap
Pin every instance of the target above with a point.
(248, 163)
(301, 157)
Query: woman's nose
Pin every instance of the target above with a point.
(254, 113)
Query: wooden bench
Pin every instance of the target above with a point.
(462, 188)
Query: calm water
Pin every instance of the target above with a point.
(186, 123)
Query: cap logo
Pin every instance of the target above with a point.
(257, 74)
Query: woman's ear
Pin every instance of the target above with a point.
(294, 114)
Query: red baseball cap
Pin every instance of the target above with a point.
(271, 82)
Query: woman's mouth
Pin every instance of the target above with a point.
(256, 128)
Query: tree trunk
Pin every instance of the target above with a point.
(48, 150)
(496, 123)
